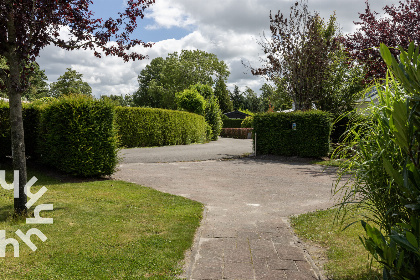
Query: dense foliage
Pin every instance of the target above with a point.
(27, 26)
(70, 83)
(77, 135)
(163, 78)
(30, 122)
(147, 127)
(232, 123)
(222, 94)
(212, 112)
(304, 57)
(305, 134)
(385, 168)
(399, 26)
(191, 100)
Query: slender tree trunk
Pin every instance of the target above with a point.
(18, 147)
(15, 88)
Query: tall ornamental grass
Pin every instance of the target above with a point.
(384, 168)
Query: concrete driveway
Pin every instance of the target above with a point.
(244, 233)
(222, 148)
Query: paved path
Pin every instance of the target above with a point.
(222, 148)
(244, 233)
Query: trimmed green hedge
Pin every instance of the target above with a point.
(232, 123)
(77, 136)
(238, 133)
(30, 126)
(275, 133)
(145, 127)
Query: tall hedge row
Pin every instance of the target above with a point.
(30, 125)
(232, 123)
(77, 135)
(145, 127)
(276, 134)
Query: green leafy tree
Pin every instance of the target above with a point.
(251, 102)
(3, 68)
(213, 114)
(238, 100)
(163, 78)
(70, 83)
(27, 26)
(343, 82)
(303, 54)
(38, 86)
(222, 94)
(191, 100)
(275, 97)
(120, 100)
(37, 81)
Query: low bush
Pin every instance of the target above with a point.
(232, 123)
(77, 136)
(146, 127)
(239, 133)
(305, 134)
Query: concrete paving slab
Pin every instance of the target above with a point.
(247, 202)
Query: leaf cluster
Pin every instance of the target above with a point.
(163, 78)
(386, 176)
(399, 25)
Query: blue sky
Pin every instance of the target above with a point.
(228, 28)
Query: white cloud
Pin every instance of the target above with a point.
(228, 28)
(167, 14)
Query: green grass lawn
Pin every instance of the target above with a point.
(102, 230)
(347, 258)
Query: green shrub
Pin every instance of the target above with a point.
(77, 136)
(344, 123)
(30, 125)
(213, 114)
(146, 127)
(232, 123)
(238, 133)
(213, 117)
(275, 133)
(191, 101)
(385, 169)
(247, 122)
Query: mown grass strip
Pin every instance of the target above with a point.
(102, 230)
(347, 259)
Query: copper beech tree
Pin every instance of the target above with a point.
(399, 27)
(27, 26)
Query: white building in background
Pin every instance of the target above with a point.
(371, 96)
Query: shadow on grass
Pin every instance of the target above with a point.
(6, 212)
(46, 175)
(367, 275)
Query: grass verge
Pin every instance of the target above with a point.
(102, 230)
(347, 259)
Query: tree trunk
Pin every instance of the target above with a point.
(18, 148)
(15, 89)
